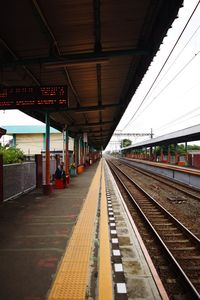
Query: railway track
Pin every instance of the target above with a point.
(186, 190)
(180, 246)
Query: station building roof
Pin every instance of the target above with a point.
(99, 49)
(26, 129)
(184, 135)
(2, 132)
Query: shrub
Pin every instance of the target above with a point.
(11, 155)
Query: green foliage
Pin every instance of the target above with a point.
(181, 149)
(193, 147)
(125, 143)
(11, 155)
(172, 149)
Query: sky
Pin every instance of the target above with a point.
(173, 102)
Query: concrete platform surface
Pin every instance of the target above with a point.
(34, 231)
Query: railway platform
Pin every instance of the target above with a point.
(185, 175)
(77, 243)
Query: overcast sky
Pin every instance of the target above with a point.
(173, 102)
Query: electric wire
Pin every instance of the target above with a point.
(185, 92)
(177, 74)
(180, 121)
(193, 117)
(163, 65)
(177, 119)
(176, 58)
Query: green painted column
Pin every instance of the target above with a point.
(47, 148)
(76, 154)
(44, 141)
(81, 150)
(186, 156)
(14, 140)
(66, 152)
(168, 155)
(151, 153)
(176, 153)
(161, 154)
(1, 177)
(47, 188)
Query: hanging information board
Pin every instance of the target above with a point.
(34, 97)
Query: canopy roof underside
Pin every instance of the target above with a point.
(99, 49)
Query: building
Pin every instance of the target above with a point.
(31, 139)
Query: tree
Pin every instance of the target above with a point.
(193, 147)
(125, 143)
(181, 149)
(11, 155)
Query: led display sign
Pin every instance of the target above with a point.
(36, 97)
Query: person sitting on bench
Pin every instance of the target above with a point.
(60, 173)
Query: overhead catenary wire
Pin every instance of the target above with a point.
(177, 74)
(169, 55)
(179, 120)
(185, 120)
(171, 123)
(185, 92)
(177, 56)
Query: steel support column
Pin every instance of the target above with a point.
(47, 148)
(186, 156)
(176, 153)
(168, 155)
(81, 150)
(66, 152)
(47, 188)
(1, 177)
(151, 153)
(161, 154)
(76, 154)
(145, 155)
(154, 154)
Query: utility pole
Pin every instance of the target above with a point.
(151, 134)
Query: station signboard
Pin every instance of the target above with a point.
(34, 97)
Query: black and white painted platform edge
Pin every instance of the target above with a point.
(132, 276)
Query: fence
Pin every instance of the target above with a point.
(18, 179)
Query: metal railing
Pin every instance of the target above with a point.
(18, 179)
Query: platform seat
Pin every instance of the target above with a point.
(59, 183)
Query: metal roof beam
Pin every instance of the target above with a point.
(54, 48)
(92, 108)
(90, 124)
(132, 134)
(94, 131)
(97, 25)
(81, 58)
(11, 52)
(97, 131)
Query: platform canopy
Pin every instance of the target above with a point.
(189, 134)
(100, 50)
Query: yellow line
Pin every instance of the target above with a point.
(105, 290)
(72, 277)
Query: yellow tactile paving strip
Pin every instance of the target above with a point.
(72, 277)
(105, 290)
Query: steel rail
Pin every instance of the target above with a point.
(167, 181)
(184, 229)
